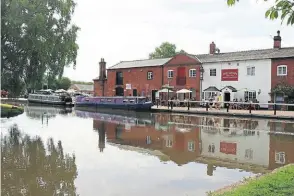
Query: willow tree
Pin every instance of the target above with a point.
(282, 9)
(37, 39)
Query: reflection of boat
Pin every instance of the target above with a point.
(125, 103)
(115, 118)
(38, 112)
(50, 97)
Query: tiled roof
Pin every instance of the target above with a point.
(140, 63)
(246, 55)
(85, 87)
(233, 89)
(211, 89)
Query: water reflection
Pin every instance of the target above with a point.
(233, 143)
(28, 169)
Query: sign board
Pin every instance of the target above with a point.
(128, 86)
(229, 74)
(228, 148)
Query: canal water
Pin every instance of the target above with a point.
(55, 151)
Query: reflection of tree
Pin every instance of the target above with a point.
(28, 169)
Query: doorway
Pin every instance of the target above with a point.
(119, 91)
(135, 92)
(227, 98)
(153, 95)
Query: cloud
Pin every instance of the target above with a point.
(128, 30)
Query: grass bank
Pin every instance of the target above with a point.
(8, 110)
(280, 182)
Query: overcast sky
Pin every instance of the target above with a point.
(120, 30)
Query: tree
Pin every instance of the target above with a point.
(165, 50)
(28, 168)
(64, 83)
(37, 39)
(282, 9)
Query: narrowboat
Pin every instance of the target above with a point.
(50, 97)
(123, 103)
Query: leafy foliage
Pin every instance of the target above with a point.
(29, 169)
(283, 88)
(38, 39)
(283, 9)
(64, 83)
(165, 50)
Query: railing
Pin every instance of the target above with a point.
(230, 106)
(181, 81)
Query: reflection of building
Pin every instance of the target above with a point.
(180, 144)
(100, 127)
(281, 146)
(250, 148)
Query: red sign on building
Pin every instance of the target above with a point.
(229, 74)
(228, 148)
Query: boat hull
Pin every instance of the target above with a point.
(51, 103)
(135, 107)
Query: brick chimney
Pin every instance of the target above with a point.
(277, 40)
(102, 69)
(212, 48)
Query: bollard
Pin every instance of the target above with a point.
(157, 102)
(228, 106)
(171, 105)
(275, 109)
(188, 105)
(207, 107)
(250, 108)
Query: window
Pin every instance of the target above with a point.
(249, 154)
(282, 70)
(191, 146)
(211, 148)
(250, 95)
(169, 143)
(212, 72)
(149, 75)
(170, 73)
(250, 71)
(280, 157)
(192, 73)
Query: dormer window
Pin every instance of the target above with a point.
(282, 70)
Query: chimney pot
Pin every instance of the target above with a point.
(277, 40)
(212, 48)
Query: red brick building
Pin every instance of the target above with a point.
(146, 77)
(260, 71)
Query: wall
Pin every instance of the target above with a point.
(182, 60)
(137, 77)
(98, 88)
(258, 143)
(261, 80)
(289, 79)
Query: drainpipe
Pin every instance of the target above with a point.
(162, 76)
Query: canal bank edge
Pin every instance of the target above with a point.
(215, 113)
(256, 184)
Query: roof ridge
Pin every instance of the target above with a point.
(146, 59)
(247, 50)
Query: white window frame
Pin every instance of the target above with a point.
(191, 146)
(192, 73)
(149, 75)
(282, 67)
(251, 71)
(212, 69)
(250, 95)
(170, 73)
(280, 157)
(169, 143)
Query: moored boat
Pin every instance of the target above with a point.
(123, 103)
(50, 97)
